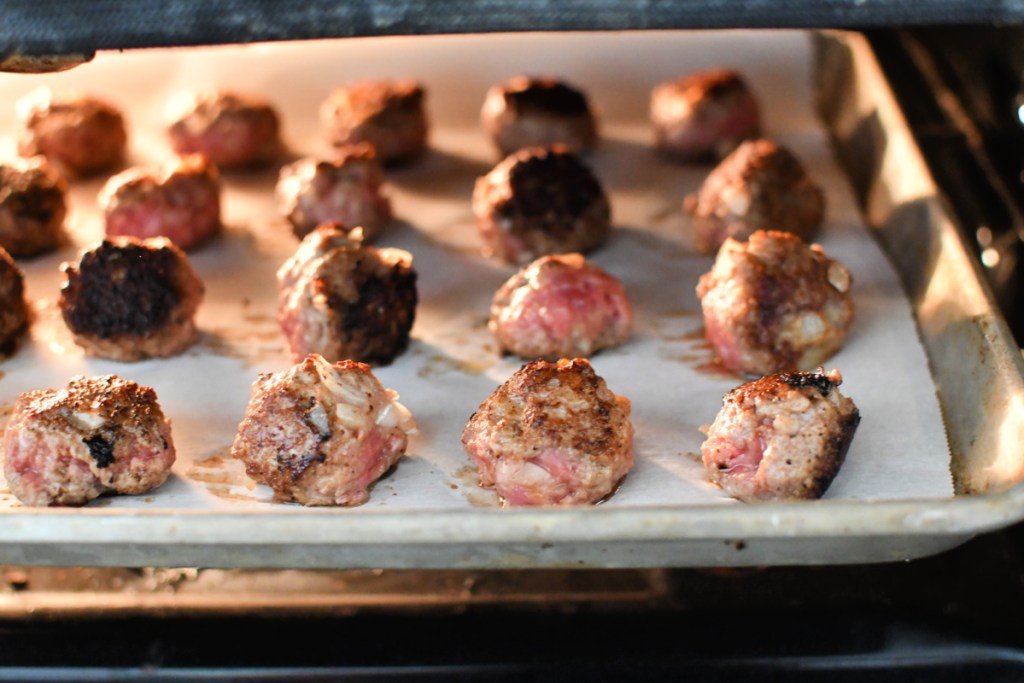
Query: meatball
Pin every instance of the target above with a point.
(180, 201)
(13, 309)
(343, 190)
(760, 186)
(704, 115)
(775, 303)
(530, 112)
(322, 434)
(553, 434)
(131, 299)
(343, 300)
(538, 201)
(79, 134)
(231, 129)
(387, 114)
(560, 306)
(32, 207)
(781, 437)
(97, 435)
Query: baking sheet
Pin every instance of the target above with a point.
(899, 452)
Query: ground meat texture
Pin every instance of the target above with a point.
(180, 201)
(529, 112)
(704, 115)
(97, 435)
(760, 186)
(389, 115)
(233, 130)
(322, 434)
(131, 299)
(560, 306)
(539, 201)
(13, 309)
(79, 134)
(781, 437)
(345, 190)
(343, 300)
(32, 207)
(775, 303)
(553, 434)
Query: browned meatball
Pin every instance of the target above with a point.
(560, 306)
(553, 434)
(97, 435)
(180, 201)
(233, 130)
(79, 134)
(539, 201)
(343, 300)
(775, 303)
(322, 434)
(13, 309)
(131, 299)
(531, 112)
(344, 190)
(32, 207)
(760, 186)
(781, 437)
(704, 115)
(387, 114)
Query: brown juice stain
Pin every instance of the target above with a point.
(439, 365)
(245, 345)
(227, 493)
(209, 471)
(476, 495)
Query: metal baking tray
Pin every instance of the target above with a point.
(973, 367)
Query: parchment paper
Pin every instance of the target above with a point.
(899, 450)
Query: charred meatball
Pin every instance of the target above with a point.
(781, 437)
(321, 434)
(131, 299)
(387, 114)
(97, 435)
(760, 186)
(13, 309)
(181, 202)
(233, 130)
(560, 306)
(531, 112)
(539, 201)
(553, 434)
(775, 303)
(32, 207)
(704, 115)
(343, 300)
(345, 190)
(80, 135)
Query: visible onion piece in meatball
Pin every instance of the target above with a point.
(14, 316)
(97, 435)
(131, 299)
(343, 300)
(553, 434)
(322, 433)
(233, 130)
(388, 114)
(760, 186)
(781, 437)
(560, 306)
(539, 201)
(531, 112)
(32, 207)
(775, 303)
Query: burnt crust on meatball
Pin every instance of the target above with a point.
(552, 434)
(760, 186)
(131, 299)
(781, 437)
(97, 435)
(344, 300)
(389, 114)
(539, 201)
(234, 130)
(538, 111)
(32, 207)
(14, 316)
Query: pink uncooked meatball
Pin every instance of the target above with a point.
(388, 114)
(233, 130)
